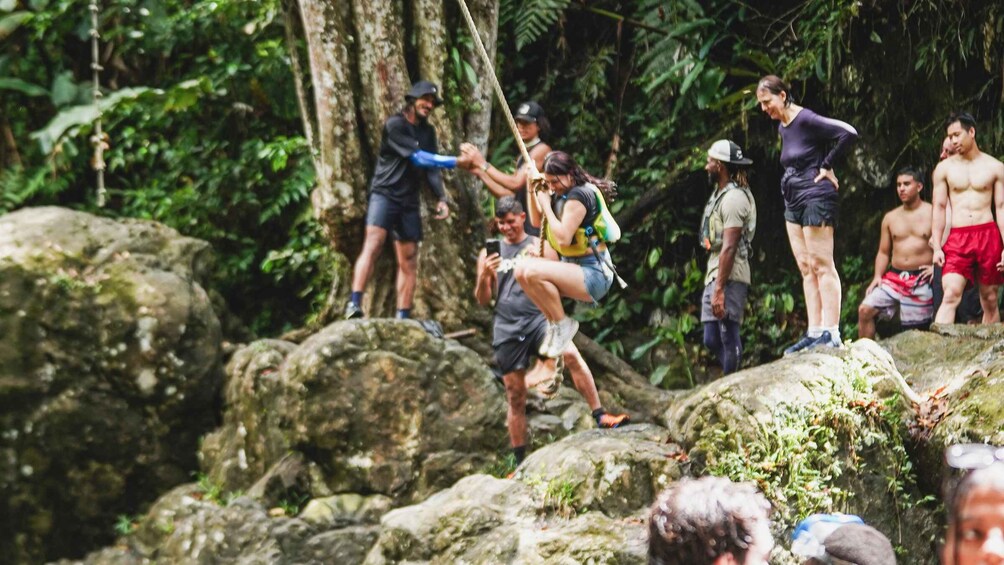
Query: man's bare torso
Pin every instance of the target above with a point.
(970, 187)
(910, 231)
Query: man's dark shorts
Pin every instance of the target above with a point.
(735, 301)
(520, 354)
(403, 222)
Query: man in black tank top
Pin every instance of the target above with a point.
(519, 327)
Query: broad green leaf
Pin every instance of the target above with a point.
(64, 90)
(70, 119)
(8, 5)
(659, 375)
(10, 22)
(22, 87)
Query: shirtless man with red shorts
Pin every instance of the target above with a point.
(974, 253)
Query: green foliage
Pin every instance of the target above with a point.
(291, 506)
(532, 18)
(204, 135)
(125, 524)
(800, 458)
(560, 494)
(502, 466)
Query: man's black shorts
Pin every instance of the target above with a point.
(519, 353)
(402, 221)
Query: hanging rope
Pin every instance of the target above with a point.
(505, 110)
(98, 137)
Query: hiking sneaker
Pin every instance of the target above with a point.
(353, 311)
(564, 331)
(801, 344)
(545, 344)
(824, 340)
(610, 421)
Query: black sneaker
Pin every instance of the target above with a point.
(801, 344)
(353, 311)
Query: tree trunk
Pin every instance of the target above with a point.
(358, 53)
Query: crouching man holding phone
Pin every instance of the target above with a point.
(519, 328)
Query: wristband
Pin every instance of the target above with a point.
(485, 166)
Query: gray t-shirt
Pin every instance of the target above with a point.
(730, 207)
(515, 314)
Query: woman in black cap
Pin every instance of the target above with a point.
(532, 125)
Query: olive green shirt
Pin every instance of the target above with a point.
(730, 207)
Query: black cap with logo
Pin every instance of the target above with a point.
(423, 87)
(529, 112)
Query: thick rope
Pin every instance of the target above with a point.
(97, 138)
(505, 110)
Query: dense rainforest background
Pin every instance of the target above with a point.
(216, 119)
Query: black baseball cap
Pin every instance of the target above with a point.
(529, 112)
(423, 87)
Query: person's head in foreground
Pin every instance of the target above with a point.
(976, 510)
(840, 539)
(709, 521)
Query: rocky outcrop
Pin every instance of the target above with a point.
(378, 407)
(109, 368)
(817, 432)
(580, 500)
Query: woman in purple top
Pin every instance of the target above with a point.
(810, 144)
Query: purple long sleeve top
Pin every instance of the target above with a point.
(813, 141)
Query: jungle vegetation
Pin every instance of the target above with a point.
(214, 127)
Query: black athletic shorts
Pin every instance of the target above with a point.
(806, 202)
(519, 353)
(403, 222)
(817, 212)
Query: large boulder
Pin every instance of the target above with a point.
(109, 368)
(483, 519)
(187, 525)
(376, 406)
(817, 432)
(964, 385)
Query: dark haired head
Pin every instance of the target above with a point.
(964, 118)
(507, 205)
(990, 478)
(698, 520)
(561, 163)
(912, 171)
(774, 85)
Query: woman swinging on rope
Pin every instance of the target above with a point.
(566, 203)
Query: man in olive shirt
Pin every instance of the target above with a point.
(727, 229)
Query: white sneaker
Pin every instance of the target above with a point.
(564, 331)
(545, 344)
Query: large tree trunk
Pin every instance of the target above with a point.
(358, 53)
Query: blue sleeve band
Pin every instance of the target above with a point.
(428, 160)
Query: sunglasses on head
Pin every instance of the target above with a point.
(973, 455)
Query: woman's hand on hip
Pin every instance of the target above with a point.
(827, 174)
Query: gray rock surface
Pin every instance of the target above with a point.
(377, 406)
(109, 366)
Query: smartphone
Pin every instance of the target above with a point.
(493, 246)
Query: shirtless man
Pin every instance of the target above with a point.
(974, 253)
(969, 310)
(907, 285)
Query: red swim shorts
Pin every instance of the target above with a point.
(973, 252)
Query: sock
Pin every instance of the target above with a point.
(403, 313)
(598, 413)
(834, 333)
(356, 298)
(519, 453)
(815, 331)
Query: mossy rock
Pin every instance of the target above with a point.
(109, 369)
